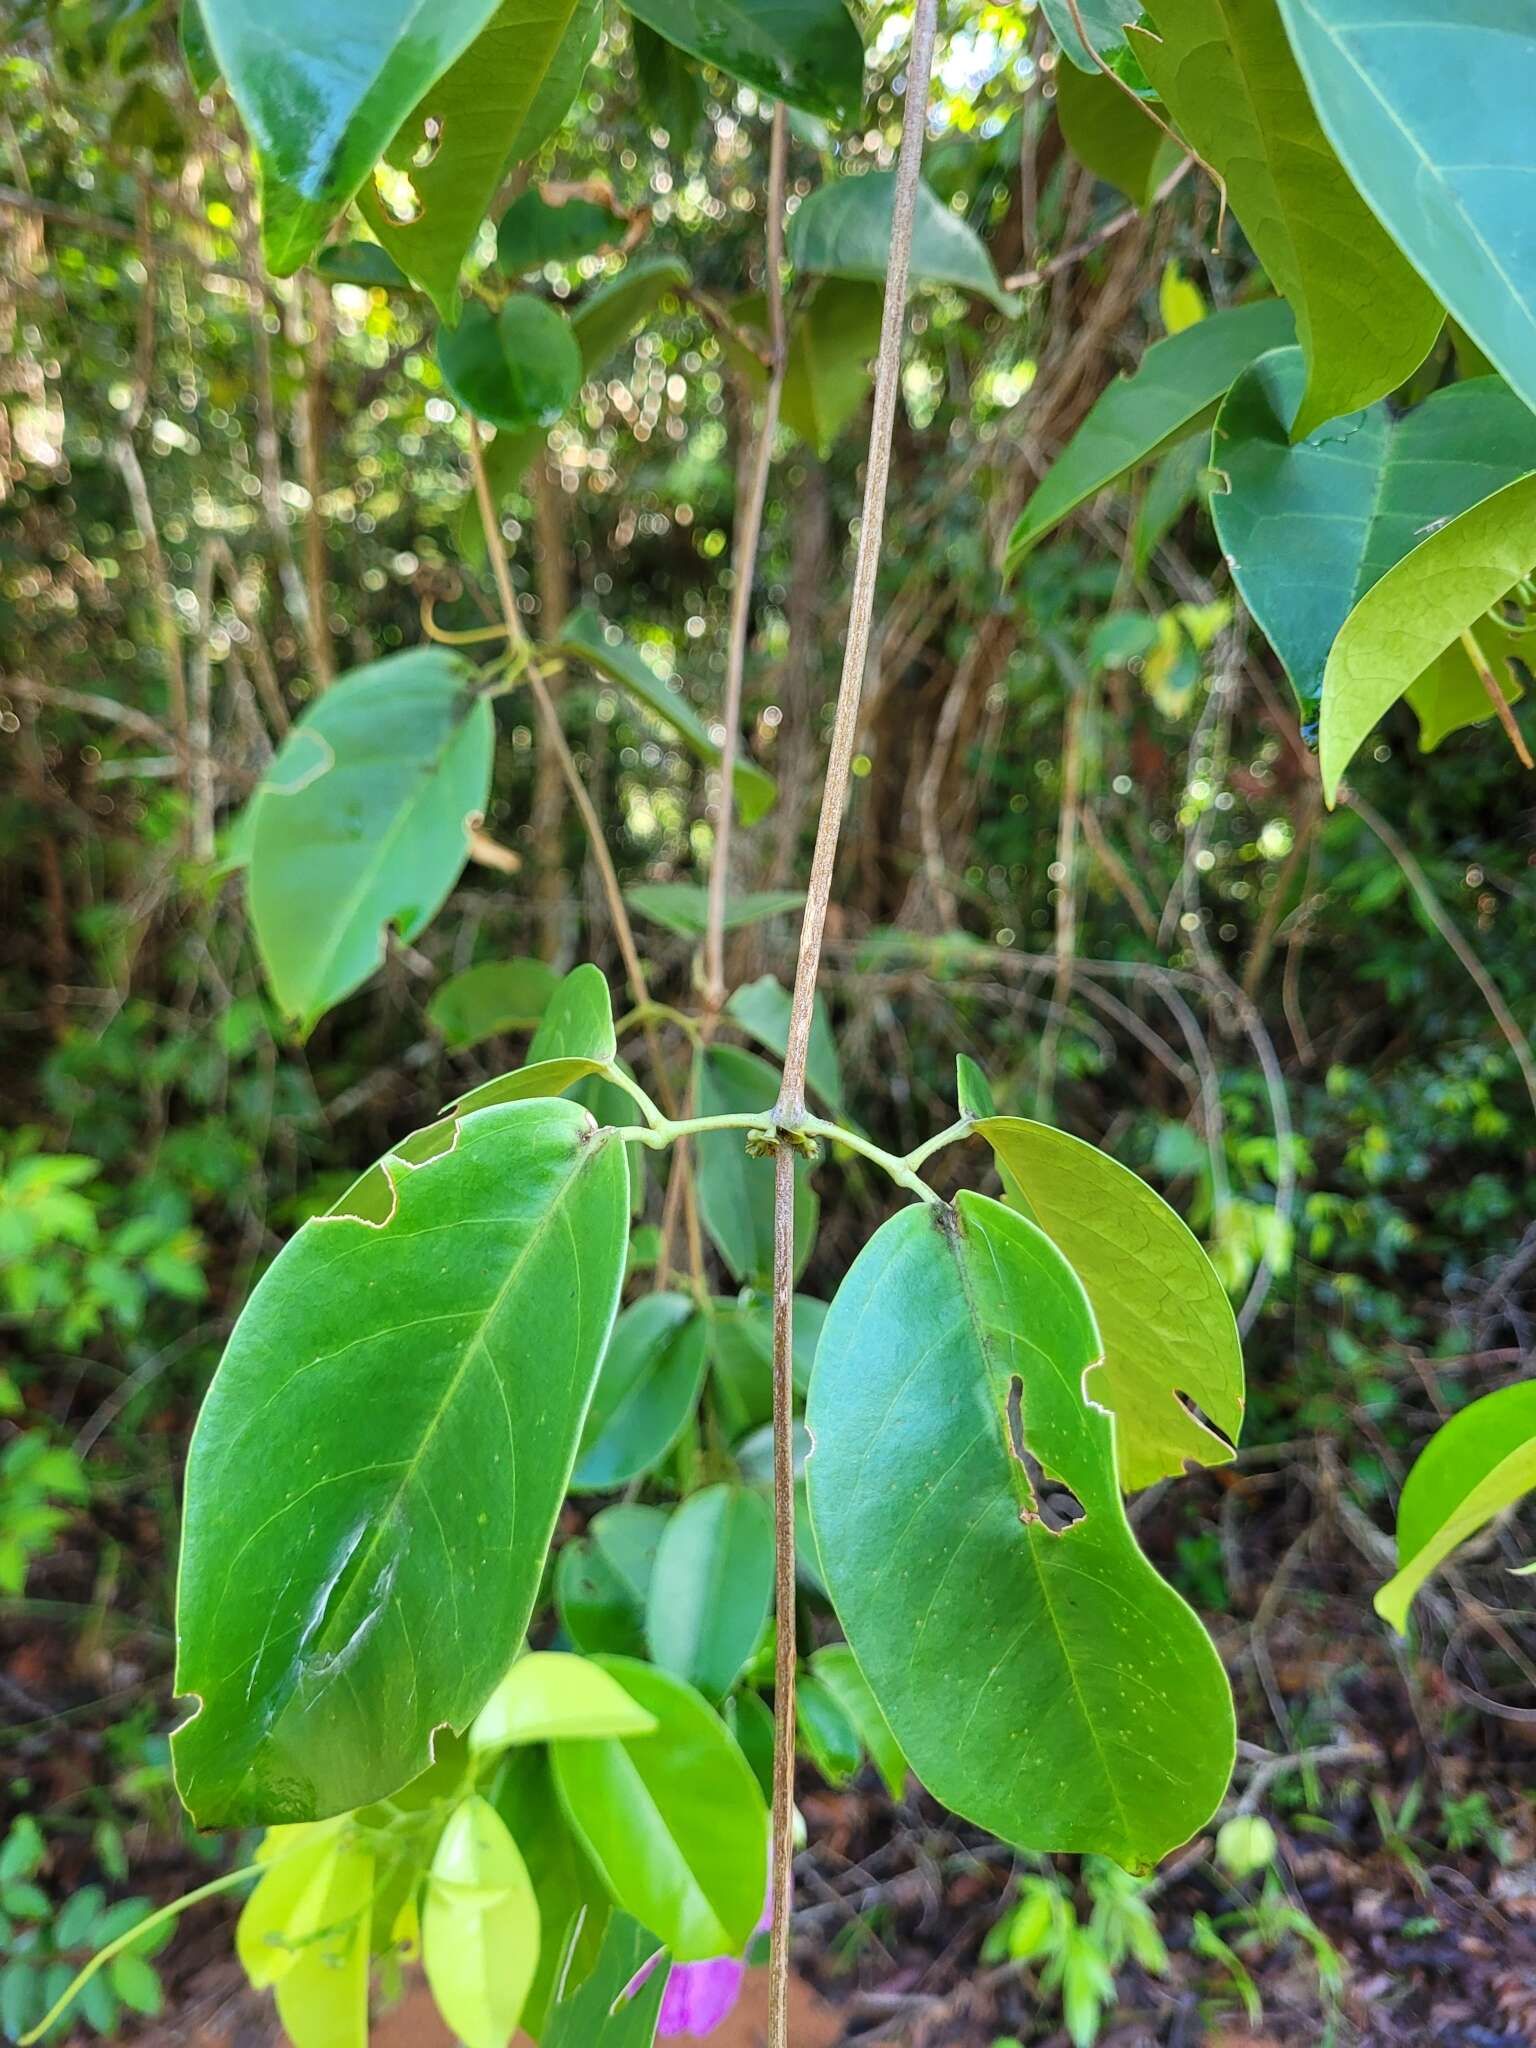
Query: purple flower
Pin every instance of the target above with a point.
(700, 1995)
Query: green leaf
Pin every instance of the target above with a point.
(561, 81)
(322, 1997)
(712, 1588)
(549, 1695)
(602, 1581)
(362, 823)
(1105, 130)
(519, 368)
(973, 1091)
(1172, 393)
(479, 1926)
(575, 1040)
(1177, 479)
(838, 1670)
(1042, 1680)
(1429, 106)
(496, 996)
(672, 86)
(137, 1984)
(478, 110)
(683, 907)
(601, 2012)
(385, 1447)
(607, 318)
(825, 1731)
(805, 52)
(572, 1901)
(1474, 1467)
(1168, 1331)
(762, 1008)
(1450, 694)
(322, 90)
(674, 1821)
(735, 1190)
(844, 230)
(1104, 20)
(363, 263)
(285, 1908)
(828, 368)
(1364, 318)
(1418, 609)
(1308, 526)
(196, 50)
(741, 1357)
(646, 1392)
(536, 230)
(585, 637)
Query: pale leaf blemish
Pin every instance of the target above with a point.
(304, 774)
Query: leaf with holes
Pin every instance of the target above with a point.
(1429, 105)
(712, 1588)
(362, 823)
(844, 230)
(322, 90)
(485, 1001)
(1474, 1467)
(470, 124)
(804, 52)
(1308, 526)
(674, 1820)
(586, 638)
(1423, 604)
(1172, 393)
(519, 368)
(1364, 318)
(1040, 1677)
(646, 1392)
(378, 1465)
(736, 1190)
(480, 1926)
(1169, 1336)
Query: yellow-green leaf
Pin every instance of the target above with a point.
(551, 1695)
(479, 1927)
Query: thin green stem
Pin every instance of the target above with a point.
(658, 1013)
(956, 1131)
(137, 1933)
(653, 1116)
(663, 1132)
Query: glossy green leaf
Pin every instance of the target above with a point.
(805, 52)
(1104, 130)
(363, 263)
(599, 2010)
(1364, 318)
(603, 1579)
(1169, 1335)
(1308, 526)
(1172, 393)
(1177, 479)
(750, 1720)
(1042, 1680)
(519, 368)
(561, 82)
(762, 1008)
(1474, 1467)
(480, 1926)
(828, 371)
(496, 996)
(385, 1447)
(672, 86)
(735, 1190)
(362, 823)
(741, 1357)
(550, 1695)
(674, 1821)
(844, 230)
(973, 1091)
(683, 907)
(1104, 20)
(572, 1902)
(646, 1392)
(825, 1732)
(1429, 105)
(536, 230)
(478, 111)
(836, 1667)
(712, 1588)
(574, 1041)
(1418, 609)
(586, 638)
(322, 90)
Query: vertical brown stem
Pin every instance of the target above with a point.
(784, 1644)
(311, 420)
(552, 574)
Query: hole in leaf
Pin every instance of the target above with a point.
(397, 195)
(431, 142)
(1056, 1507)
(1193, 1408)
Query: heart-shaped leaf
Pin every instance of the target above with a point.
(1364, 318)
(1169, 1335)
(1040, 1677)
(362, 823)
(385, 1447)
